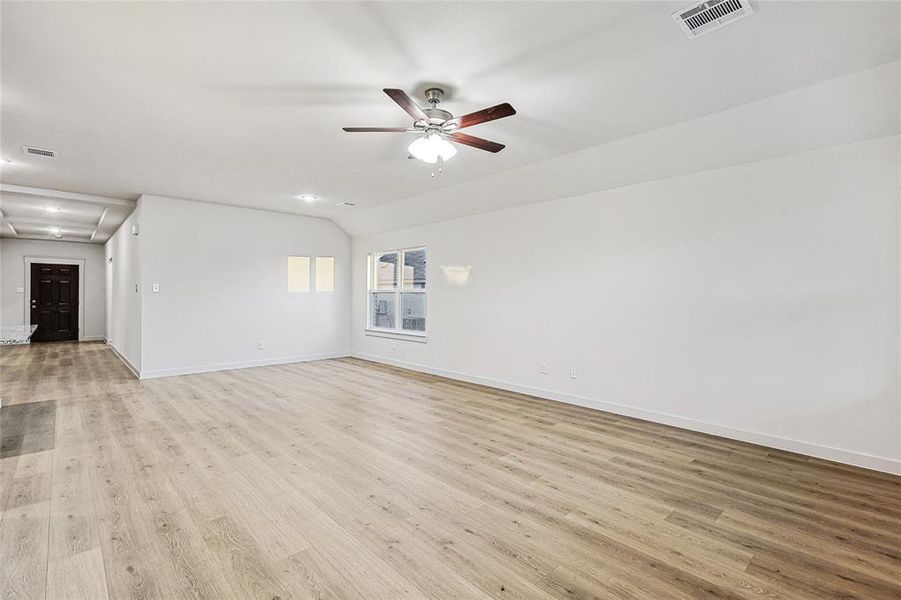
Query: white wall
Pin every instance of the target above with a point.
(222, 277)
(12, 277)
(757, 301)
(123, 274)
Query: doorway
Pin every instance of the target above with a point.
(54, 301)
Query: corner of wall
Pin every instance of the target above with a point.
(124, 307)
(898, 264)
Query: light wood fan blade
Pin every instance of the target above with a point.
(481, 116)
(475, 142)
(406, 103)
(377, 129)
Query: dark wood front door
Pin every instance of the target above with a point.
(54, 302)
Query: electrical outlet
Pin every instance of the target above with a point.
(572, 372)
(542, 368)
(260, 345)
(156, 288)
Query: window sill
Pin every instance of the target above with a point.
(421, 338)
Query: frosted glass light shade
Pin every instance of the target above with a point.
(429, 147)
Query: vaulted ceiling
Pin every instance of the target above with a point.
(243, 103)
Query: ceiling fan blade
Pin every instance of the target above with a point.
(406, 103)
(377, 129)
(481, 116)
(475, 142)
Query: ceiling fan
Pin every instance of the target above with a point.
(436, 127)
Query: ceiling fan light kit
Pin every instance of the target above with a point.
(437, 128)
(431, 147)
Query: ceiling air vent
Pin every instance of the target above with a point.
(347, 205)
(704, 17)
(32, 151)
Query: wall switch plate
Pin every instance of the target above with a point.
(542, 368)
(260, 345)
(572, 372)
(20, 290)
(156, 288)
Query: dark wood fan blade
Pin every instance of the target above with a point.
(377, 129)
(481, 116)
(475, 142)
(406, 103)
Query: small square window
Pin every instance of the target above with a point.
(325, 273)
(298, 273)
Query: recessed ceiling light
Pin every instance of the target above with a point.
(306, 197)
(55, 230)
(52, 208)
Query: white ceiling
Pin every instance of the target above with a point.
(32, 213)
(860, 106)
(242, 103)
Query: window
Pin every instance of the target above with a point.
(325, 273)
(298, 273)
(397, 300)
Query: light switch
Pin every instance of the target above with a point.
(20, 290)
(156, 288)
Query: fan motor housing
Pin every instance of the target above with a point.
(436, 115)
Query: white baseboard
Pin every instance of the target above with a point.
(240, 365)
(130, 366)
(858, 459)
(93, 338)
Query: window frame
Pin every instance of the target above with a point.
(397, 332)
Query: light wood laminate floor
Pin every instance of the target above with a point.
(345, 479)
